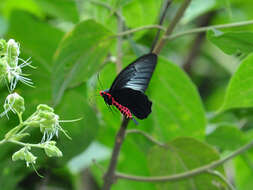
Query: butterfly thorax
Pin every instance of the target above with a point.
(111, 101)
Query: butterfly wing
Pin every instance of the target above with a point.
(136, 101)
(137, 75)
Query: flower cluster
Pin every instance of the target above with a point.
(10, 69)
(43, 118)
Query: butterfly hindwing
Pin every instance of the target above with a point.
(136, 101)
(137, 75)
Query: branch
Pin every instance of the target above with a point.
(187, 174)
(219, 175)
(109, 176)
(172, 26)
(204, 29)
(150, 138)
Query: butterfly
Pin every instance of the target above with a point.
(127, 90)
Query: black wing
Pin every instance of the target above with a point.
(137, 75)
(136, 101)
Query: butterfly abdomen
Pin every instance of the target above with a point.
(124, 110)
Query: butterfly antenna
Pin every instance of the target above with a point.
(99, 82)
(164, 7)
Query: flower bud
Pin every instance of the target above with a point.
(19, 155)
(44, 107)
(24, 154)
(15, 103)
(51, 150)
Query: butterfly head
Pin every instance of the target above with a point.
(107, 96)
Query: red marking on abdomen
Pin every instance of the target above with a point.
(124, 110)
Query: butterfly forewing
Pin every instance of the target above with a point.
(137, 75)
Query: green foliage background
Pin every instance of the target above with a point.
(202, 115)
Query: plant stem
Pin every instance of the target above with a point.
(109, 176)
(150, 138)
(26, 144)
(219, 175)
(187, 174)
(172, 26)
(206, 28)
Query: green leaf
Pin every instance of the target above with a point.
(182, 155)
(243, 171)
(62, 9)
(42, 41)
(177, 107)
(196, 8)
(79, 55)
(225, 137)
(240, 89)
(139, 12)
(82, 132)
(232, 42)
(27, 5)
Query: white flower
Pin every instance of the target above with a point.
(47, 121)
(14, 74)
(12, 71)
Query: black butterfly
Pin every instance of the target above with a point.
(127, 90)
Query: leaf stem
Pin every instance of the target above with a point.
(187, 174)
(206, 28)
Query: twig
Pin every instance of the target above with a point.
(139, 29)
(187, 174)
(204, 29)
(219, 175)
(165, 7)
(172, 26)
(109, 176)
(150, 138)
